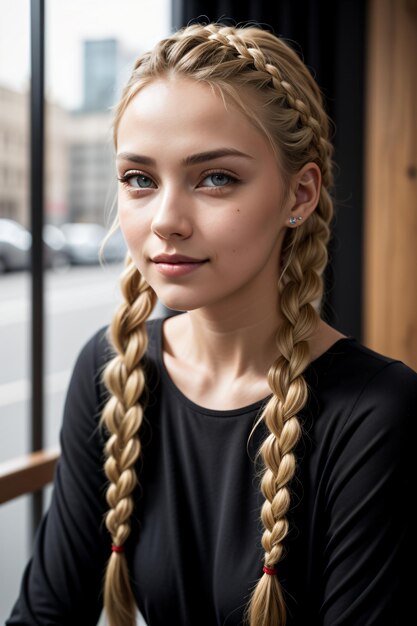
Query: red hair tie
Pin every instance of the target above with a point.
(270, 570)
(115, 548)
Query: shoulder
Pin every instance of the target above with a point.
(97, 350)
(386, 396)
(360, 395)
(376, 373)
(387, 401)
(87, 393)
(350, 367)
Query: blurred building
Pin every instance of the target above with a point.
(100, 74)
(14, 158)
(80, 174)
(57, 141)
(106, 67)
(92, 173)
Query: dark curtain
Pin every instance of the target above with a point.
(330, 37)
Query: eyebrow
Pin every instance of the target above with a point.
(201, 157)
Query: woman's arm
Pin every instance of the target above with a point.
(62, 581)
(368, 555)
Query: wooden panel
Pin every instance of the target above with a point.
(390, 227)
(27, 474)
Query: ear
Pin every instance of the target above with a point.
(305, 194)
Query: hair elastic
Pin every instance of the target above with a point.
(115, 548)
(270, 570)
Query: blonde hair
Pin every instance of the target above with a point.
(288, 108)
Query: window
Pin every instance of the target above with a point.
(78, 186)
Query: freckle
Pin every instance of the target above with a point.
(411, 171)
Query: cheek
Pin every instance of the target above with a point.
(134, 231)
(131, 224)
(251, 233)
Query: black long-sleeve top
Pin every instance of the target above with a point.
(195, 550)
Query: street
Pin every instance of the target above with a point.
(78, 301)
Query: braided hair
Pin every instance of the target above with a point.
(287, 107)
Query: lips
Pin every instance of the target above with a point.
(176, 259)
(176, 266)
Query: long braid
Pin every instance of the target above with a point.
(231, 59)
(303, 285)
(123, 416)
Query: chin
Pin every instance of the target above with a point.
(175, 305)
(179, 302)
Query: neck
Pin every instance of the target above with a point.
(234, 340)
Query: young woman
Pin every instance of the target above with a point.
(257, 462)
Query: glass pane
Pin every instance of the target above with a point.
(15, 550)
(90, 47)
(15, 241)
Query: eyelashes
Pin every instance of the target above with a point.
(221, 174)
(146, 182)
(128, 176)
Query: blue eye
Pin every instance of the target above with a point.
(143, 182)
(136, 180)
(219, 179)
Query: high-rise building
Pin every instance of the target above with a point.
(92, 174)
(105, 65)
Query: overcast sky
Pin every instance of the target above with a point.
(137, 23)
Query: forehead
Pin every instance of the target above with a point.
(180, 110)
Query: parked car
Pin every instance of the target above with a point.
(83, 242)
(115, 248)
(56, 256)
(16, 243)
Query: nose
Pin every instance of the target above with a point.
(172, 216)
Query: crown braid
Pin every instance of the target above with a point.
(289, 111)
(123, 416)
(230, 37)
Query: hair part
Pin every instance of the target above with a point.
(286, 105)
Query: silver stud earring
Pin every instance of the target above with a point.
(293, 220)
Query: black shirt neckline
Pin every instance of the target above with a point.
(315, 364)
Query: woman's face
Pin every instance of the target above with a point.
(198, 181)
